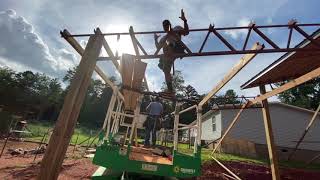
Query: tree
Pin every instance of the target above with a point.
(28, 91)
(96, 102)
(191, 93)
(306, 95)
(177, 83)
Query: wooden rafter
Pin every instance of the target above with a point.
(243, 62)
(305, 132)
(74, 43)
(293, 83)
(109, 51)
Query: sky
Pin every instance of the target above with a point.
(30, 38)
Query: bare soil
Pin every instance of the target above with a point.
(250, 171)
(76, 167)
(23, 167)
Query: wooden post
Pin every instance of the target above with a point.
(199, 128)
(269, 137)
(176, 126)
(305, 132)
(106, 122)
(135, 120)
(59, 141)
(136, 50)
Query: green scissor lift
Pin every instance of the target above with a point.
(114, 160)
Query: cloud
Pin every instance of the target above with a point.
(236, 34)
(81, 16)
(21, 48)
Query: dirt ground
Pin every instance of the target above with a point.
(23, 167)
(74, 167)
(250, 171)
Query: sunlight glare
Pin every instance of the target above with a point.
(124, 45)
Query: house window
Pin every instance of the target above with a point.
(214, 125)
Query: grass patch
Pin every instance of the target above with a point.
(38, 129)
(206, 157)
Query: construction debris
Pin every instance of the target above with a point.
(21, 151)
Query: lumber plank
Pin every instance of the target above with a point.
(236, 68)
(108, 49)
(305, 132)
(293, 83)
(135, 44)
(139, 156)
(273, 157)
(127, 68)
(138, 75)
(60, 138)
(74, 43)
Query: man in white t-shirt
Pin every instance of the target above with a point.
(171, 44)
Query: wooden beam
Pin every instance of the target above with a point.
(305, 132)
(141, 47)
(236, 68)
(293, 83)
(64, 128)
(269, 137)
(313, 159)
(135, 121)
(136, 49)
(74, 43)
(109, 51)
(199, 129)
(176, 126)
(225, 168)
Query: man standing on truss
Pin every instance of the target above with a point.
(171, 44)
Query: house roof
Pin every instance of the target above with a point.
(289, 66)
(209, 113)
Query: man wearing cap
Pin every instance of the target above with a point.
(171, 43)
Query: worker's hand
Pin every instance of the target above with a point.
(182, 17)
(156, 36)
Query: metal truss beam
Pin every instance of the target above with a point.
(219, 33)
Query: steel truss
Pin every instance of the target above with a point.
(230, 49)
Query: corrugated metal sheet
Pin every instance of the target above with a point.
(289, 66)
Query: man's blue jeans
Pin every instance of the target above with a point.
(151, 129)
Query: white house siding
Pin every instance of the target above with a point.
(207, 130)
(288, 125)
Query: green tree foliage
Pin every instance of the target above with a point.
(28, 91)
(96, 102)
(306, 95)
(177, 83)
(23, 92)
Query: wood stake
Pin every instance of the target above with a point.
(305, 131)
(269, 136)
(59, 141)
